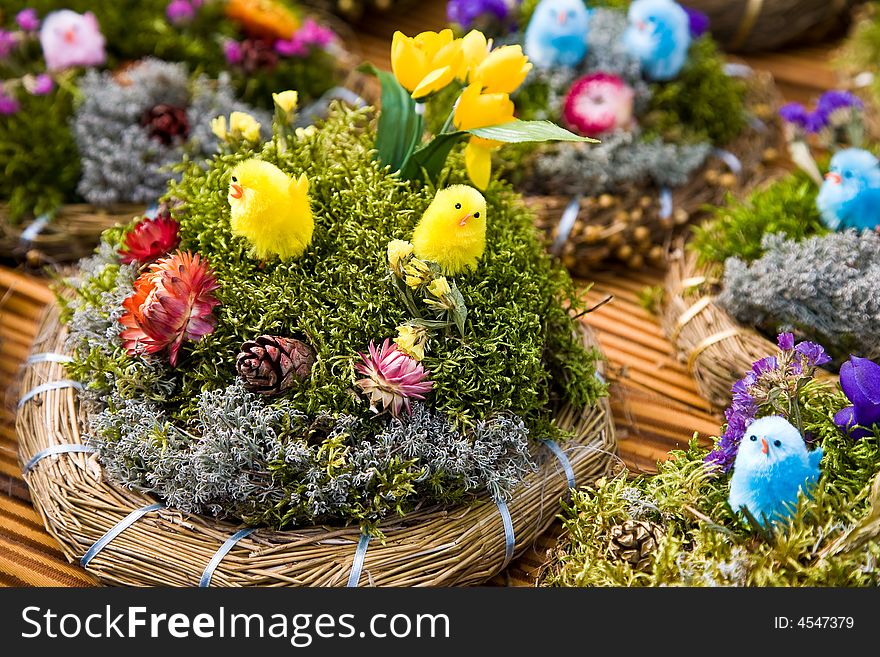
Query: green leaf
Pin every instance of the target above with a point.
(430, 158)
(522, 131)
(400, 126)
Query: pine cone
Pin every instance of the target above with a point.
(271, 364)
(633, 541)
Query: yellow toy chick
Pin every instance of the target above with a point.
(270, 209)
(452, 232)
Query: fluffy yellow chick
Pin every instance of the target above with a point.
(270, 209)
(452, 232)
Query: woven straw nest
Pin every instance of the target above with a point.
(717, 349)
(631, 226)
(753, 25)
(463, 545)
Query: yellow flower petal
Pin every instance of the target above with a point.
(434, 82)
(477, 110)
(478, 161)
(218, 127)
(503, 70)
(243, 124)
(286, 100)
(475, 49)
(409, 62)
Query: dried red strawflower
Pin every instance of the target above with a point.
(392, 378)
(150, 238)
(166, 123)
(172, 302)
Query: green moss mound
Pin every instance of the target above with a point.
(520, 355)
(737, 228)
(705, 544)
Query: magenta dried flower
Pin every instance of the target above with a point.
(28, 20)
(39, 85)
(180, 12)
(8, 104)
(232, 52)
(392, 378)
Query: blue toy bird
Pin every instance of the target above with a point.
(850, 195)
(772, 465)
(557, 33)
(658, 35)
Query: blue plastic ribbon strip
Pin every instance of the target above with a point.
(35, 228)
(509, 538)
(736, 70)
(358, 564)
(222, 552)
(665, 203)
(152, 211)
(756, 123)
(731, 160)
(116, 530)
(48, 357)
(46, 387)
(554, 447)
(68, 448)
(566, 223)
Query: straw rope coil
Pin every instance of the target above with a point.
(753, 25)
(467, 544)
(717, 350)
(633, 226)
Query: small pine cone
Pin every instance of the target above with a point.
(271, 364)
(633, 541)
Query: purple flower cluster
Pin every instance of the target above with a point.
(180, 12)
(28, 20)
(309, 35)
(792, 361)
(467, 13)
(821, 117)
(699, 21)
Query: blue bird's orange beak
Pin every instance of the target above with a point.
(833, 177)
(237, 191)
(641, 25)
(562, 18)
(765, 448)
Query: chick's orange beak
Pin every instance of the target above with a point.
(765, 448)
(237, 191)
(833, 177)
(464, 219)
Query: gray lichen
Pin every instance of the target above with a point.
(824, 288)
(120, 161)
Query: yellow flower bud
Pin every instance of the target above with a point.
(474, 49)
(398, 250)
(218, 127)
(286, 101)
(412, 340)
(503, 70)
(439, 287)
(244, 125)
(478, 110)
(478, 161)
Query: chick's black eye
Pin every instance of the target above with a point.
(753, 438)
(777, 443)
(234, 179)
(458, 206)
(476, 215)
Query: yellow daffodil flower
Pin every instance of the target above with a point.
(425, 63)
(474, 49)
(411, 340)
(478, 110)
(244, 125)
(286, 101)
(502, 70)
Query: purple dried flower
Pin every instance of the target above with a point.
(794, 113)
(180, 11)
(813, 353)
(834, 100)
(816, 122)
(8, 41)
(739, 415)
(39, 85)
(785, 341)
(310, 34)
(466, 13)
(232, 52)
(8, 104)
(291, 47)
(28, 20)
(860, 381)
(765, 365)
(699, 22)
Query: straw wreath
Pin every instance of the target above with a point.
(466, 544)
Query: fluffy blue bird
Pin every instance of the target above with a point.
(659, 36)
(557, 33)
(850, 195)
(772, 465)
